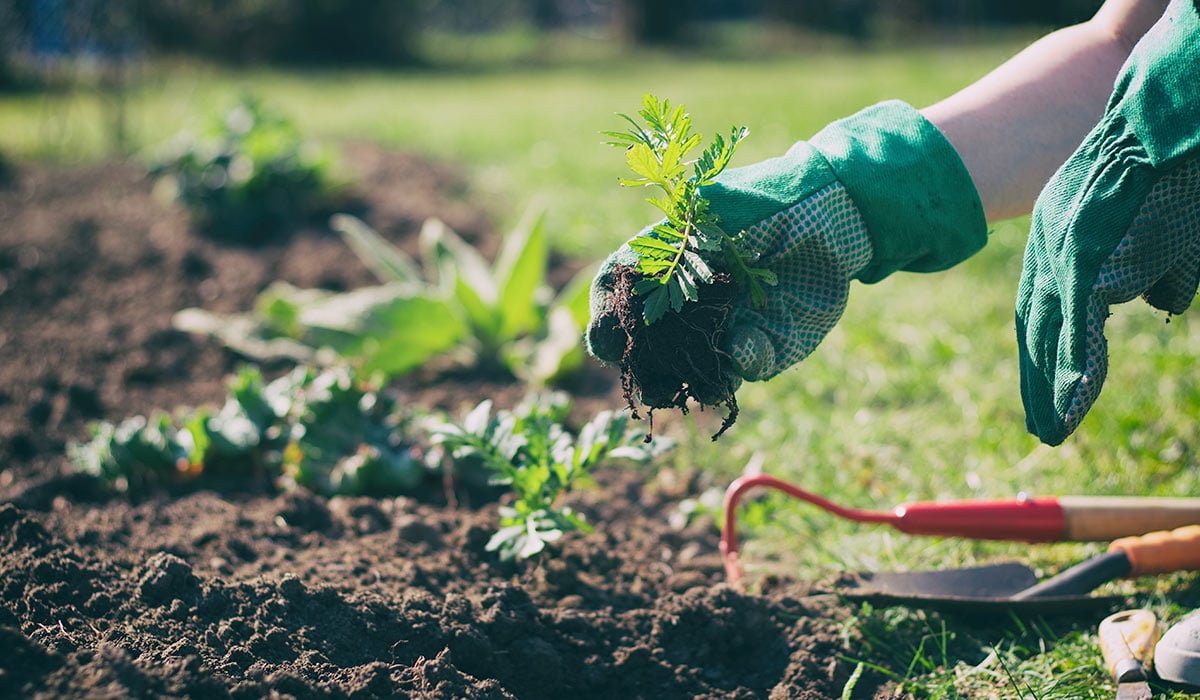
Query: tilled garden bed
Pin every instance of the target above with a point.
(256, 593)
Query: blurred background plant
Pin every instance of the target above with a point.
(247, 175)
(498, 318)
(7, 169)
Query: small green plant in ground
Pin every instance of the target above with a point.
(513, 318)
(248, 175)
(388, 330)
(530, 451)
(501, 316)
(327, 431)
(137, 454)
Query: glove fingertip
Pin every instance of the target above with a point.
(1035, 392)
(1062, 373)
(753, 353)
(605, 338)
(1083, 391)
(1171, 294)
(1038, 392)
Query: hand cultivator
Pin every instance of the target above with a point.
(1028, 519)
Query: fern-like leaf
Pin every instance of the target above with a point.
(681, 254)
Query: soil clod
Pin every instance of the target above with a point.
(679, 356)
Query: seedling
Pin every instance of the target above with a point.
(675, 302)
(529, 450)
(327, 431)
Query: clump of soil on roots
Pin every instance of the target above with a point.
(679, 356)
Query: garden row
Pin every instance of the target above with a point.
(330, 425)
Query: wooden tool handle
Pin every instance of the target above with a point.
(1161, 552)
(1127, 642)
(1104, 518)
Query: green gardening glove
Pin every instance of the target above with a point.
(1121, 218)
(876, 192)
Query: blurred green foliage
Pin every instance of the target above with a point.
(503, 318)
(248, 175)
(303, 32)
(394, 32)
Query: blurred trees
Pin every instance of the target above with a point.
(237, 31)
(387, 32)
(284, 31)
(12, 27)
(654, 21)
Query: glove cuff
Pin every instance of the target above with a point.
(918, 200)
(1156, 89)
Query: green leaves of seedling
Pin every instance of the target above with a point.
(329, 431)
(681, 253)
(529, 450)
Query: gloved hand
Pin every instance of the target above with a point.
(880, 191)
(1121, 218)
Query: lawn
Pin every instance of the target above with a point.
(913, 397)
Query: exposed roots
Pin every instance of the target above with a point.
(679, 356)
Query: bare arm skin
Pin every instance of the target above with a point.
(1017, 124)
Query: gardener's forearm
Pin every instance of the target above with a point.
(1017, 124)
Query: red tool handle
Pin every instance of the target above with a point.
(1048, 519)
(739, 487)
(1022, 518)
(1027, 519)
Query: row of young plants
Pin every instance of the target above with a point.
(333, 432)
(329, 426)
(326, 426)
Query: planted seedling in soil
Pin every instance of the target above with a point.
(674, 304)
(530, 451)
(329, 431)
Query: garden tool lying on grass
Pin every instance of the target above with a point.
(1013, 587)
(1009, 585)
(1132, 649)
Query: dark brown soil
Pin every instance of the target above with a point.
(678, 357)
(261, 594)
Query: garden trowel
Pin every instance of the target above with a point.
(1014, 587)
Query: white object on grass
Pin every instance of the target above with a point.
(1177, 654)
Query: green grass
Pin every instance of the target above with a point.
(913, 397)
